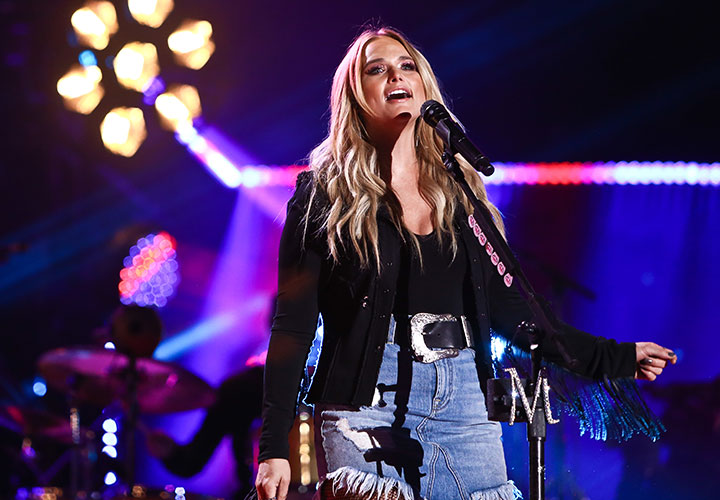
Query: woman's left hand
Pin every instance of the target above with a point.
(651, 360)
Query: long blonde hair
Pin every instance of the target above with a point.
(347, 170)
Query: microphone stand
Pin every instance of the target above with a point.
(132, 386)
(539, 330)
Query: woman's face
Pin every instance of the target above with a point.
(391, 83)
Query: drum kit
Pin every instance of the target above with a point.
(117, 382)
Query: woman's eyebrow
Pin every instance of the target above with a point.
(379, 59)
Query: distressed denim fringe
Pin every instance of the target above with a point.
(368, 486)
(507, 491)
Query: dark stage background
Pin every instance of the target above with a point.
(532, 81)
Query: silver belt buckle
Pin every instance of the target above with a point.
(422, 352)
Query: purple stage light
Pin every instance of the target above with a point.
(229, 165)
(153, 89)
(610, 173)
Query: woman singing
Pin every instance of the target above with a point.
(377, 242)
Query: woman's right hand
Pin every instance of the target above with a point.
(273, 479)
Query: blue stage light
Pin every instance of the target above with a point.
(87, 58)
(39, 387)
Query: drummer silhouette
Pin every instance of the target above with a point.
(136, 331)
(238, 404)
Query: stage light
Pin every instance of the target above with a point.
(110, 451)
(150, 273)
(123, 130)
(80, 88)
(154, 88)
(87, 58)
(178, 107)
(136, 65)
(109, 345)
(497, 347)
(110, 478)
(150, 12)
(304, 449)
(39, 387)
(109, 425)
(110, 439)
(27, 450)
(191, 43)
(95, 23)
(530, 174)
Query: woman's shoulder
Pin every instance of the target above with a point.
(307, 189)
(305, 179)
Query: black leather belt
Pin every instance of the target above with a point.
(433, 336)
(445, 335)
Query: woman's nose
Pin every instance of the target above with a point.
(394, 75)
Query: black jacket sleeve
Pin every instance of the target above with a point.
(596, 356)
(294, 324)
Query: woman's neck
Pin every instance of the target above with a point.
(397, 157)
(399, 169)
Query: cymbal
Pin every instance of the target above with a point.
(100, 376)
(38, 423)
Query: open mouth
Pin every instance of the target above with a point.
(398, 94)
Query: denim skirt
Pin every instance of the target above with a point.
(425, 436)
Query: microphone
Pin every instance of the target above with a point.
(453, 134)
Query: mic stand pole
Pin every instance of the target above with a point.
(132, 386)
(537, 429)
(540, 329)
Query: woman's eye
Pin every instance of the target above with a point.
(374, 70)
(409, 66)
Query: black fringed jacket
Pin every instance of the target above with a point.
(356, 305)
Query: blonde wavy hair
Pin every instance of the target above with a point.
(346, 166)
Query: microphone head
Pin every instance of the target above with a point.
(432, 112)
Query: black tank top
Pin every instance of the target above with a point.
(438, 286)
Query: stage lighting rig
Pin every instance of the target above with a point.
(135, 67)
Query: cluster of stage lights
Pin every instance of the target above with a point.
(150, 273)
(608, 173)
(135, 67)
